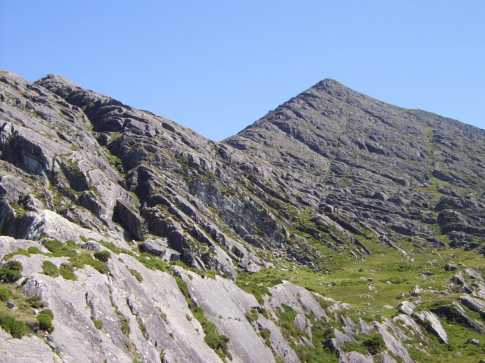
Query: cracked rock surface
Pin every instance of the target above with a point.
(147, 242)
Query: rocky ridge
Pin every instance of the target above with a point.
(147, 242)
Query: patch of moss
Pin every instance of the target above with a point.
(59, 249)
(18, 321)
(49, 269)
(67, 271)
(136, 274)
(286, 320)
(252, 315)
(22, 252)
(5, 293)
(115, 249)
(14, 327)
(153, 263)
(257, 284)
(98, 324)
(44, 319)
(82, 259)
(142, 327)
(125, 325)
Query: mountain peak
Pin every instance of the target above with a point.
(58, 80)
(329, 83)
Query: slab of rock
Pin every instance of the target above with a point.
(473, 303)
(226, 306)
(279, 345)
(390, 335)
(433, 323)
(355, 357)
(26, 350)
(407, 307)
(296, 297)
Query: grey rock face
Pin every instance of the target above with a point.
(330, 137)
(27, 350)
(431, 321)
(226, 306)
(329, 167)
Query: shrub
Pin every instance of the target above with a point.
(5, 293)
(49, 269)
(16, 328)
(44, 319)
(102, 256)
(11, 271)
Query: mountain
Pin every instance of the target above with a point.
(335, 228)
(386, 167)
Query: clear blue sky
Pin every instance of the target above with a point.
(216, 66)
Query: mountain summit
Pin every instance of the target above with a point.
(337, 228)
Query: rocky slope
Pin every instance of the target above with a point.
(335, 228)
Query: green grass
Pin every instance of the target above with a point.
(44, 319)
(86, 259)
(258, 283)
(10, 271)
(59, 249)
(115, 249)
(319, 352)
(252, 315)
(49, 269)
(389, 274)
(5, 293)
(115, 161)
(153, 263)
(136, 275)
(286, 320)
(14, 327)
(22, 252)
(21, 320)
(77, 259)
(458, 349)
(125, 325)
(67, 271)
(366, 344)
